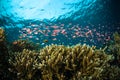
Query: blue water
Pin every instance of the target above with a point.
(66, 22)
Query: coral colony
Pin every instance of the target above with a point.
(24, 60)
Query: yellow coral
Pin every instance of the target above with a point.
(58, 62)
(116, 37)
(19, 45)
(2, 35)
(115, 48)
(23, 63)
(78, 62)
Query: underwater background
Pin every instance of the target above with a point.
(59, 40)
(66, 22)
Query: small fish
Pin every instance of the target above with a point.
(15, 42)
(42, 43)
(45, 41)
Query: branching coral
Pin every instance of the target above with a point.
(2, 35)
(22, 64)
(4, 53)
(78, 62)
(115, 48)
(59, 62)
(116, 38)
(117, 45)
(111, 73)
(3, 47)
(19, 45)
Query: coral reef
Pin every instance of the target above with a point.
(3, 55)
(112, 70)
(116, 37)
(24, 60)
(72, 63)
(2, 35)
(111, 73)
(7, 51)
(3, 47)
(19, 45)
(58, 62)
(117, 45)
(22, 64)
(115, 48)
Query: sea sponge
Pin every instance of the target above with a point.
(72, 63)
(22, 64)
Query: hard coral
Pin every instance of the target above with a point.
(4, 53)
(3, 46)
(115, 48)
(58, 62)
(111, 73)
(2, 35)
(22, 64)
(72, 63)
(19, 45)
(116, 38)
